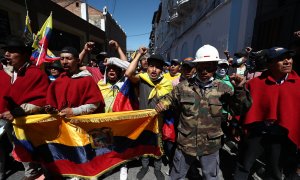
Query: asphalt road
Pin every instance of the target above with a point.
(16, 172)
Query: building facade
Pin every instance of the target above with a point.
(180, 27)
(100, 19)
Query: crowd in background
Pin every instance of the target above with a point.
(232, 118)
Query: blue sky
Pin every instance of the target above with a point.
(134, 16)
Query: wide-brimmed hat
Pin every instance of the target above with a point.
(158, 58)
(16, 43)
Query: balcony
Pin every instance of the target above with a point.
(174, 18)
(185, 6)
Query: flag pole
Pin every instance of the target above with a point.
(42, 48)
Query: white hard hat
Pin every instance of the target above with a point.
(207, 53)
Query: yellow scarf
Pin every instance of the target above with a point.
(109, 94)
(160, 89)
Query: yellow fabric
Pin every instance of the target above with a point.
(44, 128)
(160, 89)
(171, 78)
(42, 32)
(109, 94)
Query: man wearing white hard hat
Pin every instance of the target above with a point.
(200, 103)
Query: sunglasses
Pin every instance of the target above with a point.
(209, 67)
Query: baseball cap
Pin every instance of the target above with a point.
(101, 56)
(177, 61)
(168, 63)
(279, 52)
(70, 50)
(189, 61)
(56, 65)
(223, 61)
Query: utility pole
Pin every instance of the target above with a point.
(85, 16)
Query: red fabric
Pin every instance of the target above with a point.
(276, 102)
(4, 78)
(168, 132)
(102, 163)
(96, 73)
(126, 99)
(30, 87)
(73, 92)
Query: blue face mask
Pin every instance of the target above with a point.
(221, 71)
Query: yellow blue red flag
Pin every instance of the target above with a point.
(41, 53)
(27, 31)
(89, 145)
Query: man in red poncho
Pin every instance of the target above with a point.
(23, 91)
(74, 92)
(274, 116)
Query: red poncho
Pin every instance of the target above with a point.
(4, 78)
(73, 92)
(277, 102)
(30, 87)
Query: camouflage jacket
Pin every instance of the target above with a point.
(199, 126)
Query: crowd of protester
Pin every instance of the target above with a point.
(233, 118)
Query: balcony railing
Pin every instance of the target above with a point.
(185, 6)
(174, 18)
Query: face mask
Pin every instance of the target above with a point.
(239, 60)
(221, 72)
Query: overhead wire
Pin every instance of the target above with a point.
(138, 35)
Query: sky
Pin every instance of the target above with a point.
(134, 16)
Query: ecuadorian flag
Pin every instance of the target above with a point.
(41, 53)
(89, 145)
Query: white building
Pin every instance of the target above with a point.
(180, 27)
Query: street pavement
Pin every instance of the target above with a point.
(133, 168)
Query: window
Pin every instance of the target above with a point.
(77, 4)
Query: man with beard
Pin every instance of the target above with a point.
(199, 101)
(74, 92)
(152, 85)
(23, 91)
(273, 119)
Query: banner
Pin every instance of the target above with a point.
(89, 145)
